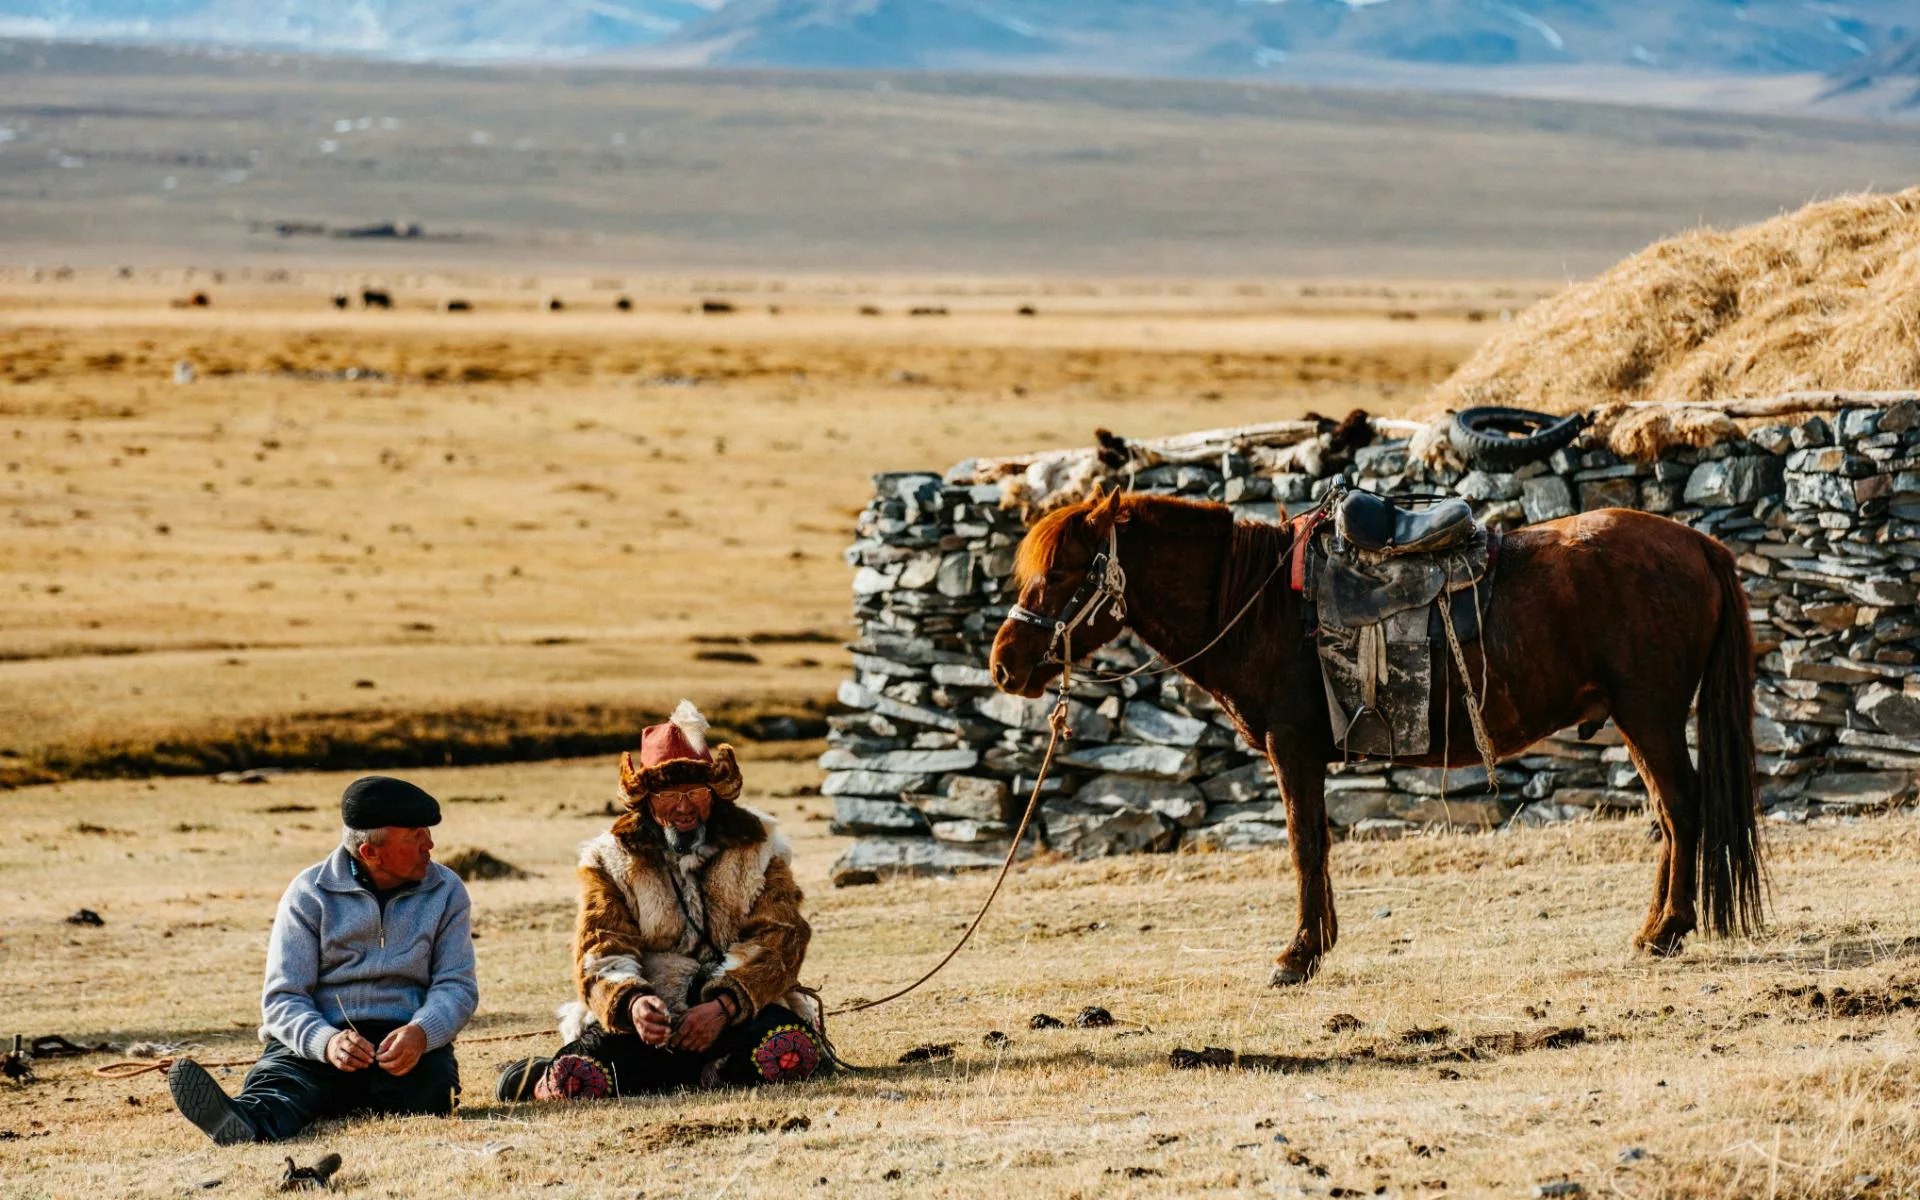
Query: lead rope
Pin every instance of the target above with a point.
(1060, 723)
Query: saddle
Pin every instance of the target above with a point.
(1374, 584)
(1376, 525)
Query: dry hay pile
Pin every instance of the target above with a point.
(1824, 298)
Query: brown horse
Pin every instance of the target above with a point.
(1611, 613)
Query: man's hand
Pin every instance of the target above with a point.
(698, 1029)
(349, 1051)
(401, 1049)
(650, 1020)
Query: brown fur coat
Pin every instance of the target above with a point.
(633, 937)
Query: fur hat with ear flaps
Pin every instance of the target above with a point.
(676, 754)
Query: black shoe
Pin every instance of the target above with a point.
(201, 1100)
(516, 1079)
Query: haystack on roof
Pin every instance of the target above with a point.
(1824, 298)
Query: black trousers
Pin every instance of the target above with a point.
(285, 1093)
(636, 1069)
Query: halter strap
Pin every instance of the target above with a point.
(1104, 582)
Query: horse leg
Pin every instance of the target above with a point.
(1659, 750)
(1303, 788)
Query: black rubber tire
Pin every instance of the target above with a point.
(1502, 439)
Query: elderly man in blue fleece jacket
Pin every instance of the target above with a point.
(369, 977)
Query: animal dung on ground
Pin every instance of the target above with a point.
(1044, 1021)
(1343, 1023)
(473, 863)
(1181, 1059)
(932, 1052)
(86, 916)
(1092, 1017)
(996, 1040)
(317, 1177)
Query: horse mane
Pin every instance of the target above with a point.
(1255, 551)
(1035, 554)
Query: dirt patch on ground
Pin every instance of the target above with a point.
(683, 1133)
(1414, 1048)
(1898, 996)
(471, 863)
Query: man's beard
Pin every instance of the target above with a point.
(688, 842)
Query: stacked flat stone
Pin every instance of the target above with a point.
(930, 767)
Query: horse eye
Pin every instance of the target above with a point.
(1056, 577)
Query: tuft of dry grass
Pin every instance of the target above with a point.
(1435, 1055)
(1826, 297)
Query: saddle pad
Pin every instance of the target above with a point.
(1390, 664)
(1368, 589)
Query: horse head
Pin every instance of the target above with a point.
(1065, 571)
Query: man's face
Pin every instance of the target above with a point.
(405, 854)
(682, 809)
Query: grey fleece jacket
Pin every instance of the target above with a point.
(335, 956)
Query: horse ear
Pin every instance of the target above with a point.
(1105, 510)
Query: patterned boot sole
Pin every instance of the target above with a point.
(573, 1077)
(788, 1052)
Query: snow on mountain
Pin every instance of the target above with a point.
(1236, 38)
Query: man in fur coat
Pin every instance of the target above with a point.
(689, 941)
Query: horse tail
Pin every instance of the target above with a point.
(1732, 884)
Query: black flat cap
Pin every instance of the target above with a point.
(377, 801)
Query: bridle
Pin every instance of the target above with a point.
(1103, 583)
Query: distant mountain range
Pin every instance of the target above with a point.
(1850, 40)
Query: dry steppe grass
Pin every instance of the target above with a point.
(543, 526)
(1715, 1075)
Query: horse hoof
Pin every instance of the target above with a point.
(1665, 946)
(1286, 976)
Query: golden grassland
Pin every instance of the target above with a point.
(527, 529)
(1717, 1074)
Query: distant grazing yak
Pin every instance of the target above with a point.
(369, 298)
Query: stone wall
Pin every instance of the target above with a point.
(931, 766)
